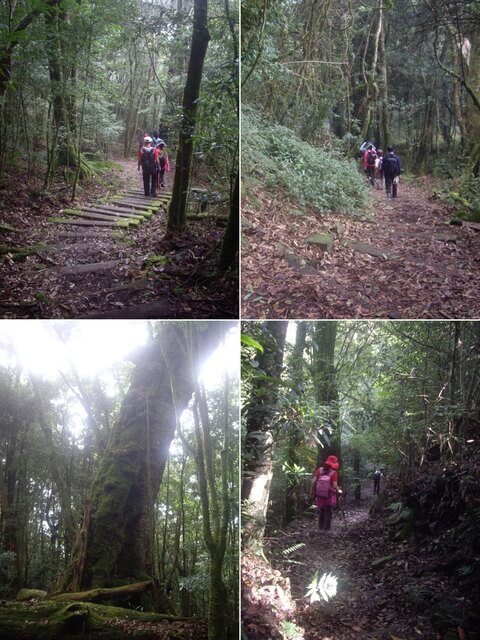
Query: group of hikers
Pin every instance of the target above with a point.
(153, 158)
(325, 491)
(380, 167)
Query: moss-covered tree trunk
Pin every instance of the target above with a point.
(258, 448)
(177, 213)
(326, 389)
(114, 544)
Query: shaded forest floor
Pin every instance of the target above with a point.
(388, 589)
(184, 283)
(403, 260)
(48, 620)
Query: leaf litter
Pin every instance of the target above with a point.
(423, 266)
(385, 586)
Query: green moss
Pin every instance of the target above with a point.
(156, 261)
(49, 620)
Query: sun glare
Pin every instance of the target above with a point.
(92, 346)
(225, 358)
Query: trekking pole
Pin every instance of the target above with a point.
(340, 500)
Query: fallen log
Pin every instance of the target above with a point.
(104, 594)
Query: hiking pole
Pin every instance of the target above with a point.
(340, 500)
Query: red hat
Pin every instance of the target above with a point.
(332, 461)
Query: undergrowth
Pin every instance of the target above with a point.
(464, 195)
(274, 157)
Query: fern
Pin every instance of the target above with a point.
(293, 548)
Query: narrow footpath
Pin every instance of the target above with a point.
(403, 260)
(385, 587)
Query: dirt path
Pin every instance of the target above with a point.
(104, 271)
(378, 582)
(403, 261)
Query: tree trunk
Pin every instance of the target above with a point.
(115, 543)
(177, 213)
(295, 436)
(326, 391)
(230, 239)
(259, 441)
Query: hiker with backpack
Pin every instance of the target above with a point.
(376, 481)
(148, 160)
(378, 169)
(391, 171)
(324, 490)
(369, 160)
(163, 164)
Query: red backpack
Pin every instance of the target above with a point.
(323, 486)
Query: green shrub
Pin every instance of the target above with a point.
(275, 157)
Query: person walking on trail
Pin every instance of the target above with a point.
(148, 160)
(376, 481)
(324, 489)
(369, 159)
(378, 169)
(163, 164)
(391, 170)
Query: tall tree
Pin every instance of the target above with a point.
(326, 388)
(258, 447)
(115, 544)
(177, 213)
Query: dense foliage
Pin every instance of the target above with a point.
(274, 156)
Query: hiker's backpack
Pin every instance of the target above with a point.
(372, 156)
(390, 166)
(148, 158)
(323, 486)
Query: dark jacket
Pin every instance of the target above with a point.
(389, 168)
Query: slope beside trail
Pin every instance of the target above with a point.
(380, 582)
(403, 260)
(112, 260)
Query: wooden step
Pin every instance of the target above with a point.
(98, 216)
(120, 213)
(148, 310)
(145, 200)
(93, 267)
(151, 204)
(89, 223)
(141, 194)
(132, 205)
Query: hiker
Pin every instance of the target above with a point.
(378, 169)
(156, 139)
(163, 164)
(369, 158)
(148, 160)
(376, 480)
(324, 489)
(391, 171)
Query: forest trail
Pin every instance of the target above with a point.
(404, 260)
(377, 582)
(108, 263)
